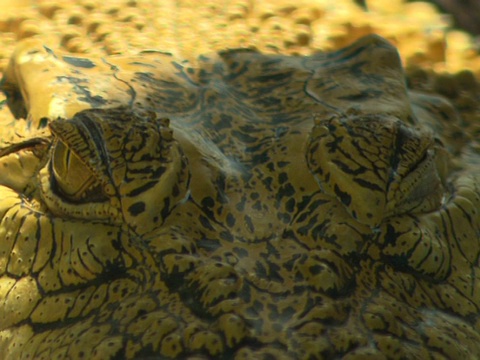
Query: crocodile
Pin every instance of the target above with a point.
(236, 206)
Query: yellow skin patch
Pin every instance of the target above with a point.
(240, 205)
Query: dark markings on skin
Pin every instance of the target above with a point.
(318, 229)
(226, 235)
(249, 223)
(205, 222)
(248, 139)
(241, 252)
(282, 178)
(254, 196)
(182, 74)
(284, 217)
(290, 205)
(43, 123)
(141, 189)
(82, 90)
(357, 70)
(145, 77)
(303, 230)
(362, 96)
(344, 197)
(257, 205)
(208, 205)
(142, 64)
(260, 158)
(391, 236)
(208, 202)
(79, 62)
(333, 146)
(268, 101)
(222, 122)
(465, 213)
(137, 208)
(230, 220)
(261, 270)
(238, 69)
(47, 49)
(74, 269)
(154, 51)
(241, 205)
(38, 235)
(454, 233)
(360, 154)
(208, 244)
(344, 55)
(148, 170)
(285, 191)
(346, 169)
(275, 78)
(425, 257)
(368, 184)
(402, 136)
(166, 208)
(175, 190)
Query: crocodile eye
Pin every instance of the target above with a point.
(114, 165)
(71, 178)
(376, 166)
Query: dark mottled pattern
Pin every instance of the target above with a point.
(241, 207)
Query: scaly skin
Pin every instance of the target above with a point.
(237, 207)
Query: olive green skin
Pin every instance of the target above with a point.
(244, 206)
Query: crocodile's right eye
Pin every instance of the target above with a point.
(71, 178)
(73, 184)
(114, 165)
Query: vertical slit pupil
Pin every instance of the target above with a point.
(72, 179)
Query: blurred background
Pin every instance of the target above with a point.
(465, 13)
(437, 34)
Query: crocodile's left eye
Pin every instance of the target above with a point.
(376, 166)
(71, 178)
